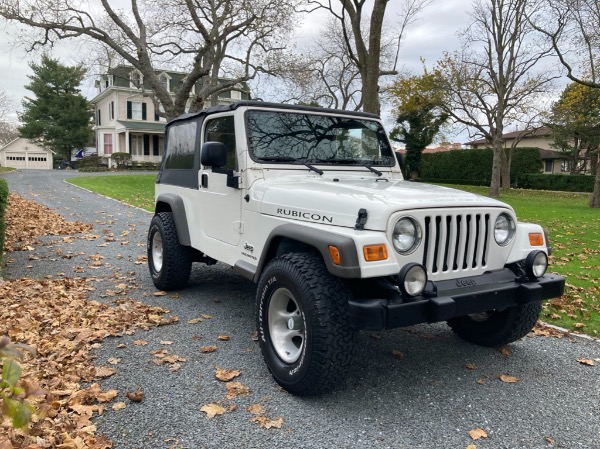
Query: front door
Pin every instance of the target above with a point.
(220, 213)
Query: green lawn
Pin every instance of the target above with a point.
(573, 229)
(137, 190)
(6, 169)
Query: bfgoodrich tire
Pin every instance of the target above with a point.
(170, 263)
(497, 328)
(303, 328)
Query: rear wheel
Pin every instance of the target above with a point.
(170, 263)
(304, 334)
(497, 328)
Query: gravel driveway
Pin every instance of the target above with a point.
(419, 387)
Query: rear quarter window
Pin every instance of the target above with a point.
(181, 143)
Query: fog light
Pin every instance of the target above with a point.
(536, 264)
(412, 279)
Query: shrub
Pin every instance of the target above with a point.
(3, 204)
(122, 160)
(567, 183)
(475, 166)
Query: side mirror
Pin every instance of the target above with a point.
(214, 154)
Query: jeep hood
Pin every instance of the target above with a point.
(323, 200)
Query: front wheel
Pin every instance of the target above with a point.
(497, 328)
(170, 263)
(303, 328)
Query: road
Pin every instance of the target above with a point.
(408, 388)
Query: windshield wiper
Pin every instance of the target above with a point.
(277, 159)
(351, 162)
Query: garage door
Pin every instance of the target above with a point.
(16, 160)
(39, 161)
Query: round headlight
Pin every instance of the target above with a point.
(536, 264)
(407, 235)
(412, 279)
(504, 229)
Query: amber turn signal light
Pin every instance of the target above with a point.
(373, 253)
(334, 253)
(536, 239)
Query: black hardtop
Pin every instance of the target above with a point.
(264, 104)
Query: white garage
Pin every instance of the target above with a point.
(23, 154)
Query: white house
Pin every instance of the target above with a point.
(125, 117)
(24, 154)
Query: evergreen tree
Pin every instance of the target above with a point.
(58, 117)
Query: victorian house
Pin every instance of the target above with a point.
(125, 118)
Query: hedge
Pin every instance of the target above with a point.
(3, 204)
(566, 183)
(475, 166)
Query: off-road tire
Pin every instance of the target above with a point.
(170, 263)
(317, 300)
(500, 327)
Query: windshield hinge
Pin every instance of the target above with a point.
(361, 220)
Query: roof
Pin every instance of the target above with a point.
(263, 104)
(35, 146)
(142, 126)
(549, 155)
(542, 131)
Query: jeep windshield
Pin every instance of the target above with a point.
(305, 138)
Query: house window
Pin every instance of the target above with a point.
(158, 143)
(136, 145)
(548, 166)
(135, 79)
(108, 144)
(565, 166)
(164, 81)
(136, 110)
(111, 110)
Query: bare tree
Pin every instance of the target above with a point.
(8, 126)
(362, 34)
(205, 38)
(572, 27)
(490, 83)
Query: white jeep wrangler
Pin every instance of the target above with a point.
(310, 203)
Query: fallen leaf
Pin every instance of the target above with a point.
(212, 410)
(578, 325)
(135, 396)
(159, 293)
(508, 379)
(205, 316)
(471, 446)
(471, 366)
(504, 351)
(256, 409)
(103, 372)
(481, 381)
(223, 337)
(267, 423)
(140, 342)
(583, 361)
(195, 320)
(397, 354)
(119, 406)
(550, 440)
(476, 434)
(226, 375)
(166, 342)
(235, 389)
(113, 361)
(208, 349)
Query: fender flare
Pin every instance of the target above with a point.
(177, 206)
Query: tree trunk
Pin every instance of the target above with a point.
(505, 174)
(595, 198)
(496, 161)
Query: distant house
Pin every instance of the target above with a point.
(21, 153)
(553, 162)
(125, 118)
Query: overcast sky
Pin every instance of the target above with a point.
(434, 33)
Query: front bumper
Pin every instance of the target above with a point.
(454, 298)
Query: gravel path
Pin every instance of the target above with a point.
(408, 388)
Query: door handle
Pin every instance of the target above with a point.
(204, 181)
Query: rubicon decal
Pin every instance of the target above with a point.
(305, 215)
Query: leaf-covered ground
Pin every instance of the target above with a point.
(56, 318)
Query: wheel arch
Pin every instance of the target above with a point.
(170, 202)
(290, 238)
